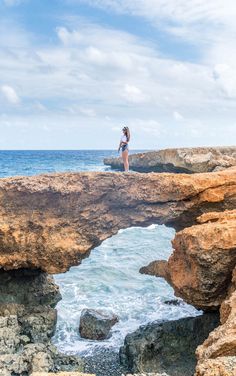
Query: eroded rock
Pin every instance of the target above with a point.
(60, 374)
(200, 267)
(188, 160)
(27, 323)
(223, 366)
(167, 346)
(96, 324)
(46, 220)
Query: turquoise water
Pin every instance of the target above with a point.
(109, 279)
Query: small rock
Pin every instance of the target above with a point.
(96, 324)
(175, 302)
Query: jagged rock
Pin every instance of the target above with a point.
(38, 358)
(147, 374)
(222, 341)
(10, 338)
(60, 374)
(25, 336)
(223, 366)
(21, 288)
(96, 324)
(174, 302)
(39, 323)
(167, 346)
(46, 220)
(157, 268)
(200, 268)
(188, 160)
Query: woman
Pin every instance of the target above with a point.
(124, 146)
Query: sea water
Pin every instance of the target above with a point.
(109, 279)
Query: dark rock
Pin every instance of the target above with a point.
(39, 324)
(27, 323)
(96, 324)
(22, 287)
(167, 346)
(175, 302)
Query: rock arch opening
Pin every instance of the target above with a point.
(110, 280)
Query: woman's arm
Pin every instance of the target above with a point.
(119, 146)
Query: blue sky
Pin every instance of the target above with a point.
(73, 72)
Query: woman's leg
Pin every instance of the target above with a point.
(125, 157)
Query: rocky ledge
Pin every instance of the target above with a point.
(188, 160)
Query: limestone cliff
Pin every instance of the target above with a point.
(204, 256)
(202, 271)
(51, 222)
(188, 160)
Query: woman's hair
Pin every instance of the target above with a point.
(127, 133)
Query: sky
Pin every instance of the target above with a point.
(74, 72)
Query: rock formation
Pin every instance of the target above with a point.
(61, 374)
(27, 323)
(51, 222)
(188, 160)
(204, 256)
(167, 346)
(202, 271)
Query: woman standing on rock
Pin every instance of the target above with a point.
(124, 146)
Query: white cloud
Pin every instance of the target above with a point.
(68, 37)
(10, 94)
(134, 95)
(94, 78)
(178, 116)
(226, 78)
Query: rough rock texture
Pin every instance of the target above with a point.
(219, 349)
(148, 374)
(26, 288)
(96, 324)
(167, 346)
(200, 267)
(188, 160)
(202, 270)
(27, 323)
(60, 374)
(223, 366)
(52, 221)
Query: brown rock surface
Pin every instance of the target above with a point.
(51, 222)
(217, 355)
(201, 265)
(189, 160)
(223, 366)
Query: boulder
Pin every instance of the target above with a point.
(96, 324)
(188, 160)
(167, 346)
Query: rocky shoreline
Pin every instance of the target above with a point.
(27, 323)
(181, 160)
(49, 223)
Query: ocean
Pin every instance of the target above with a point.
(109, 279)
